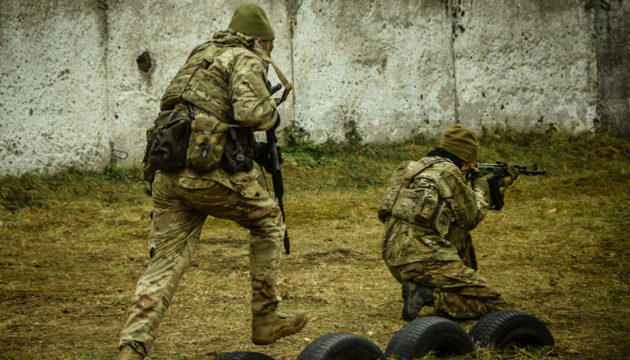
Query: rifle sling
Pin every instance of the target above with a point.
(287, 86)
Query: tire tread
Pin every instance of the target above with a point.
(338, 344)
(495, 328)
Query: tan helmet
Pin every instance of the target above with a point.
(251, 20)
(462, 142)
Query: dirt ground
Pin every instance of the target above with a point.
(73, 246)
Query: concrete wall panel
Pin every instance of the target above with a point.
(70, 82)
(386, 66)
(53, 113)
(525, 64)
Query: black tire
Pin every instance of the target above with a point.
(427, 334)
(510, 327)
(244, 355)
(341, 346)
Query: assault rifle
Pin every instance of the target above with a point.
(276, 173)
(499, 171)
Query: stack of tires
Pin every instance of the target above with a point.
(443, 337)
(437, 335)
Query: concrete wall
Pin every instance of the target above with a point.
(385, 65)
(612, 24)
(53, 87)
(525, 64)
(71, 85)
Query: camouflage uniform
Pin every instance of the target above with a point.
(222, 78)
(428, 212)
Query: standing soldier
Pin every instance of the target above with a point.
(223, 95)
(428, 212)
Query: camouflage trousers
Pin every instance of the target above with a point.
(181, 204)
(459, 292)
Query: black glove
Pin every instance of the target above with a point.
(263, 155)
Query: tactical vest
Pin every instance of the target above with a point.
(202, 83)
(418, 194)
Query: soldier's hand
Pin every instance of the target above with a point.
(512, 175)
(261, 151)
(482, 184)
(263, 156)
(512, 172)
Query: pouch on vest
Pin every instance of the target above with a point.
(388, 199)
(404, 207)
(207, 143)
(421, 205)
(401, 178)
(167, 141)
(432, 211)
(239, 151)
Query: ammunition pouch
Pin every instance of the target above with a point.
(167, 141)
(239, 151)
(207, 142)
(418, 197)
(423, 206)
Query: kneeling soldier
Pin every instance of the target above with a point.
(428, 212)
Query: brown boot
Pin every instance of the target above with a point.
(127, 353)
(268, 328)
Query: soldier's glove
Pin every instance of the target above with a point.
(512, 175)
(482, 184)
(263, 155)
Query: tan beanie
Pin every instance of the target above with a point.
(462, 142)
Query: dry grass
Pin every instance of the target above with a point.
(73, 246)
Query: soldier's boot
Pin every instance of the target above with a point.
(127, 353)
(415, 297)
(268, 328)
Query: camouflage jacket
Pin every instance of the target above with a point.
(224, 79)
(425, 203)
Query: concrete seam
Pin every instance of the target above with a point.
(453, 29)
(598, 106)
(292, 15)
(104, 6)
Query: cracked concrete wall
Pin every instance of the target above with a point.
(525, 64)
(386, 66)
(71, 83)
(53, 87)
